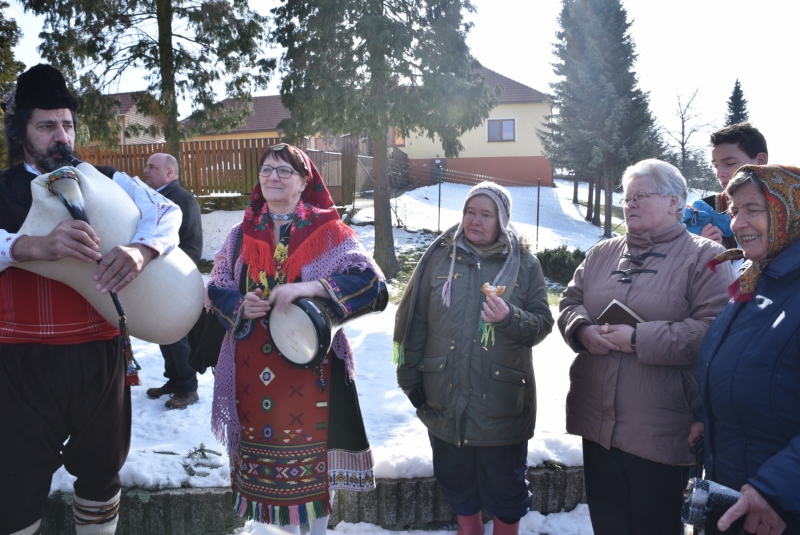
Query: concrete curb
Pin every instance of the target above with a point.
(397, 504)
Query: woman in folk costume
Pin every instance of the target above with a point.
(293, 434)
(475, 306)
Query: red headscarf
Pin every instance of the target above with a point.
(315, 208)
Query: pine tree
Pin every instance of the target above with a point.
(737, 106)
(361, 66)
(601, 122)
(186, 49)
(10, 68)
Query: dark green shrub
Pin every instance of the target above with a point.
(559, 264)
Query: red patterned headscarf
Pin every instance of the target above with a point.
(314, 208)
(780, 185)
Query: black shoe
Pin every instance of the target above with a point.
(156, 393)
(181, 400)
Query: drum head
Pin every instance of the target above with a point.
(300, 333)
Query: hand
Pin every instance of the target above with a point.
(121, 265)
(591, 338)
(494, 310)
(712, 232)
(761, 518)
(696, 432)
(283, 295)
(254, 305)
(70, 239)
(620, 336)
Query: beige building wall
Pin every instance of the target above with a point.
(134, 116)
(527, 118)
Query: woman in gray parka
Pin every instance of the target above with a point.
(475, 306)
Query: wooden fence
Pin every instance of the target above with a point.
(207, 167)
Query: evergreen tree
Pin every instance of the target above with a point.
(10, 68)
(601, 122)
(185, 47)
(361, 66)
(737, 106)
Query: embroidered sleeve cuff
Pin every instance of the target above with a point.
(150, 242)
(335, 293)
(7, 241)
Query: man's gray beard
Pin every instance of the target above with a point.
(51, 164)
(47, 163)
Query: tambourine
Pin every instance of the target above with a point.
(302, 333)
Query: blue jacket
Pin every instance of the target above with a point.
(749, 377)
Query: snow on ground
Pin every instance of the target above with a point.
(576, 522)
(560, 221)
(162, 439)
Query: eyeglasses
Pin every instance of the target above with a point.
(283, 172)
(639, 197)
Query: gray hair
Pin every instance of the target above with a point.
(172, 163)
(740, 178)
(666, 177)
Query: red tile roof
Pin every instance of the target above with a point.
(513, 92)
(125, 101)
(267, 113)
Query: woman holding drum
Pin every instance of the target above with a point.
(294, 433)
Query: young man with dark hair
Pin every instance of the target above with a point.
(732, 147)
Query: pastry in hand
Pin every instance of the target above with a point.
(488, 289)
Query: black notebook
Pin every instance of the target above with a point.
(616, 313)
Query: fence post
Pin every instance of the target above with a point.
(348, 171)
(439, 224)
(538, 191)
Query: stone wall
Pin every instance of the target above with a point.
(395, 504)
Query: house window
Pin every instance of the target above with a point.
(501, 130)
(399, 139)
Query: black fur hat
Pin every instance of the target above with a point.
(43, 86)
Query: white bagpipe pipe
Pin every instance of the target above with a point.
(162, 303)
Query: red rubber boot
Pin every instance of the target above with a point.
(470, 525)
(505, 529)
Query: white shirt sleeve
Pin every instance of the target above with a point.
(158, 229)
(7, 240)
(161, 218)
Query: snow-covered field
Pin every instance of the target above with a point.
(159, 456)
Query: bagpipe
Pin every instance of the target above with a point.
(162, 303)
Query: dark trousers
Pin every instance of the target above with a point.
(629, 495)
(50, 395)
(490, 477)
(180, 375)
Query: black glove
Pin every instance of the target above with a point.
(417, 398)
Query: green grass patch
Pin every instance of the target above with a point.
(205, 266)
(554, 291)
(408, 259)
(616, 211)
